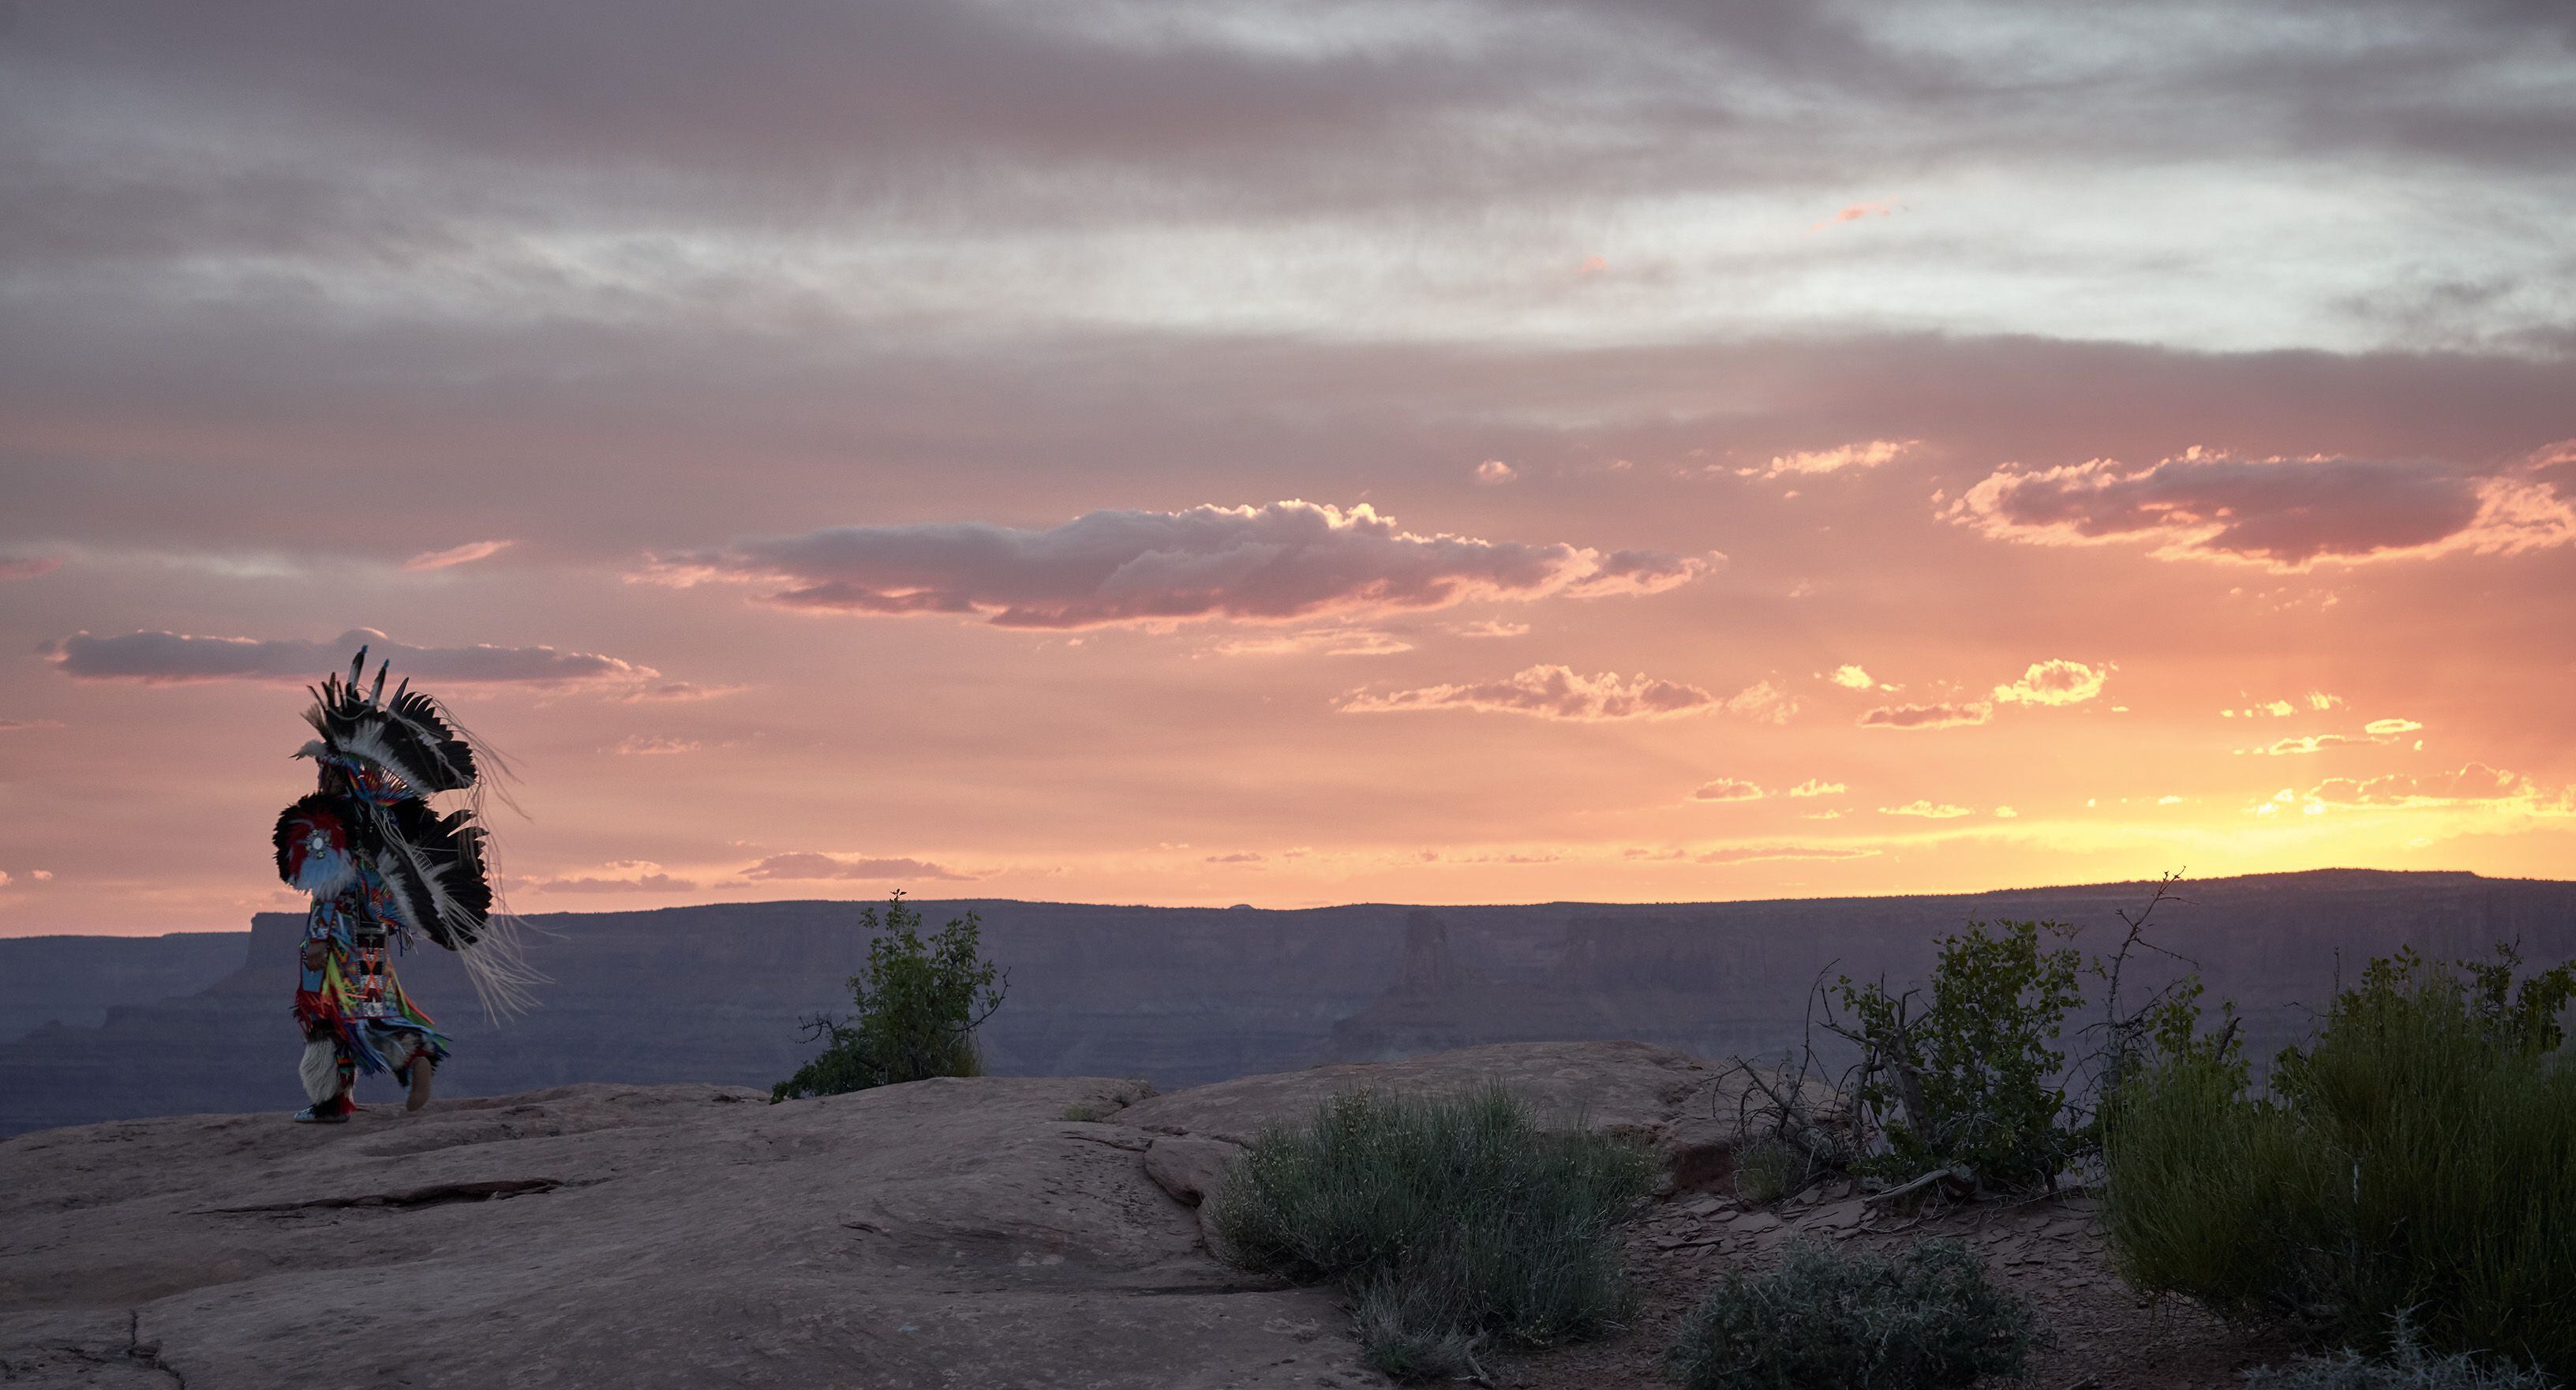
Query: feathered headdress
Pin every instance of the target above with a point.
(379, 761)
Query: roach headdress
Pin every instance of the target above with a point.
(380, 760)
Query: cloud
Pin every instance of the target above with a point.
(41, 875)
(11, 726)
(653, 746)
(1932, 716)
(2471, 784)
(170, 658)
(1495, 471)
(1818, 787)
(805, 865)
(2320, 700)
(2377, 731)
(1549, 692)
(1322, 641)
(1494, 627)
(1748, 854)
(1851, 678)
(2283, 514)
(1854, 212)
(1927, 810)
(2055, 682)
(29, 567)
(1276, 562)
(1239, 857)
(641, 877)
(2006, 813)
(4, 878)
(465, 554)
(1633, 572)
(1763, 703)
(2311, 743)
(1864, 455)
(1728, 789)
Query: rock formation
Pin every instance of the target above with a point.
(1182, 996)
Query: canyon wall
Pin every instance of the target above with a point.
(1184, 996)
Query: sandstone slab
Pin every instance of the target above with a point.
(954, 1232)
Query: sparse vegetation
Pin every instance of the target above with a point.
(2405, 1366)
(1827, 1320)
(918, 1007)
(1768, 1168)
(2415, 1158)
(1454, 1224)
(1972, 1080)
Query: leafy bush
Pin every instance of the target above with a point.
(1825, 1320)
(2415, 1157)
(919, 1005)
(2407, 1366)
(1453, 1223)
(1972, 1080)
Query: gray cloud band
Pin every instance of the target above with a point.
(1281, 561)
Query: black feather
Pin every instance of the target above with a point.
(433, 866)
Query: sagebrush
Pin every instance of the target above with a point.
(1827, 1320)
(2417, 1157)
(2404, 1365)
(1453, 1223)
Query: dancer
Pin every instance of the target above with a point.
(385, 870)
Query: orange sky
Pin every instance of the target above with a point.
(1286, 458)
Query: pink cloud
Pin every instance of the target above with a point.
(653, 745)
(1549, 692)
(1885, 207)
(1276, 562)
(170, 658)
(29, 567)
(465, 554)
(1933, 716)
(1927, 810)
(2282, 514)
(1728, 789)
(809, 865)
(642, 878)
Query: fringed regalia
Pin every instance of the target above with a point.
(385, 871)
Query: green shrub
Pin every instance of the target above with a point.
(1452, 1223)
(2416, 1157)
(919, 1005)
(1972, 1080)
(2406, 1366)
(1826, 1320)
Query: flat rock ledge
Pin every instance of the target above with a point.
(955, 1232)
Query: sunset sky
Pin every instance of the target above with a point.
(1294, 453)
